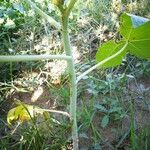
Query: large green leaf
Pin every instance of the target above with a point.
(107, 50)
(136, 30)
(129, 22)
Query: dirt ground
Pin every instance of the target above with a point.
(114, 132)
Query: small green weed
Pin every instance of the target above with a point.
(111, 109)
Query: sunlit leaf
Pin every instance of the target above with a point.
(23, 112)
(11, 115)
(136, 30)
(107, 50)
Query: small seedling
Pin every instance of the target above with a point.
(111, 109)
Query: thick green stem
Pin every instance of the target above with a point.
(72, 74)
(17, 58)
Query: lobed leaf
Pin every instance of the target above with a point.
(135, 31)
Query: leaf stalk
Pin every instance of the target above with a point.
(101, 63)
(17, 58)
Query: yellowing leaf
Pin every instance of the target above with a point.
(23, 112)
(11, 116)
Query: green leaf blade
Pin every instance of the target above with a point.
(107, 50)
(136, 30)
(141, 33)
(126, 26)
(135, 40)
(105, 121)
(141, 49)
(140, 41)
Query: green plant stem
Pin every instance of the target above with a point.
(133, 127)
(101, 63)
(44, 15)
(73, 86)
(17, 58)
(70, 6)
(72, 74)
